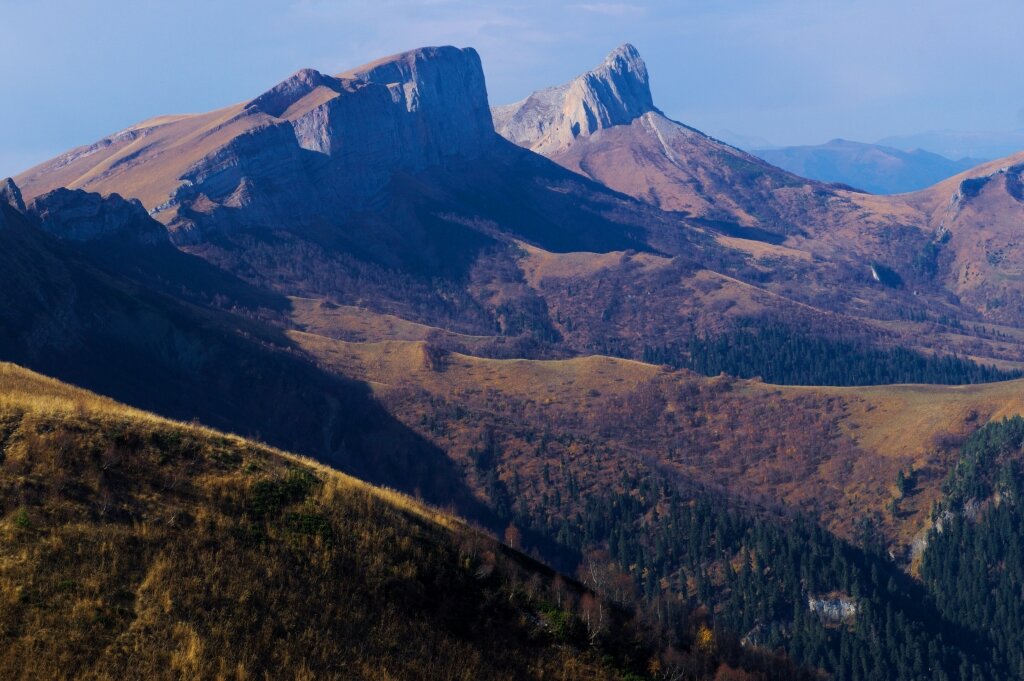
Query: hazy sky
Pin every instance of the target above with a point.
(791, 71)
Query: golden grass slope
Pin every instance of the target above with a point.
(144, 161)
(134, 547)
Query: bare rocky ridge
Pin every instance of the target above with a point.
(10, 196)
(312, 146)
(333, 142)
(615, 93)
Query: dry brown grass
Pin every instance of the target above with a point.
(760, 249)
(136, 547)
(347, 322)
(146, 166)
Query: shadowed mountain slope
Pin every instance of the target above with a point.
(166, 331)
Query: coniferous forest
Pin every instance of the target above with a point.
(779, 354)
(789, 586)
(974, 563)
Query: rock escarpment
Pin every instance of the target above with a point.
(10, 196)
(615, 93)
(328, 144)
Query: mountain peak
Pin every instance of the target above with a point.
(615, 93)
(626, 53)
(278, 99)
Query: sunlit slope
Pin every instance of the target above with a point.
(136, 547)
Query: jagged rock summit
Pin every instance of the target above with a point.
(615, 93)
(604, 125)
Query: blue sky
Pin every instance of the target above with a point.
(790, 71)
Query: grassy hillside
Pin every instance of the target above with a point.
(136, 547)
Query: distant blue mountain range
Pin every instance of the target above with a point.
(872, 167)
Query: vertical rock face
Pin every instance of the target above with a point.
(414, 108)
(443, 93)
(78, 215)
(615, 93)
(326, 144)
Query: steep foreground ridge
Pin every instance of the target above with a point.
(135, 547)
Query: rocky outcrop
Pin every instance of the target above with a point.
(78, 215)
(833, 608)
(11, 195)
(444, 96)
(615, 93)
(10, 198)
(412, 109)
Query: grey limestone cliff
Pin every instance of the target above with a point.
(615, 93)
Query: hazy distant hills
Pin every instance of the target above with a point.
(961, 144)
(871, 167)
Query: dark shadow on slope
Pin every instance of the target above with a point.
(63, 317)
(740, 231)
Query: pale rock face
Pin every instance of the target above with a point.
(615, 93)
(443, 92)
(78, 215)
(330, 143)
(834, 609)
